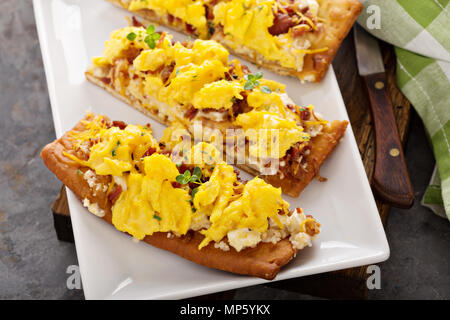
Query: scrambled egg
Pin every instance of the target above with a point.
(287, 133)
(247, 22)
(218, 95)
(204, 63)
(150, 203)
(118, 43)
(190, 11)
(258, 202)
(118, 150)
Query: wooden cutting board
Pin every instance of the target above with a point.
(343, 284)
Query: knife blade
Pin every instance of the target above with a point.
(390, 180)
(368, 53)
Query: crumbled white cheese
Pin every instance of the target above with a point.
(314, 130)
(93, 208)
(200, 221)
(243, 238)
(286, 99)
(222, 246)
(213, 115)
(272, 235)
(309, 78)
(300, 240)
(91, 179)
(311, 4)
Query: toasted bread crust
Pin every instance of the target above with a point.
(338, 15)
(324, 144)
(264, 261)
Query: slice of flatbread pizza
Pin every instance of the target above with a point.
(292, 37)
(194, 82)
(200, 211)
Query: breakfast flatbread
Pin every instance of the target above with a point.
(202, 213)
(298, 38)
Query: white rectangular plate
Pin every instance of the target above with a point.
(112, 266)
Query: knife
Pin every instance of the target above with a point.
(390, 179)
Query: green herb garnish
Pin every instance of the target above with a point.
(157, 217)
(79, 172)
(151, 37)
(252, 80)
(265, 89)
(113, 152)
(194, 192)
(131, 36)
(186, 177)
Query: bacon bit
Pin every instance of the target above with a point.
(170, 18)
(106, 80)
(162, 36)
(131, 53)
(305, 115)
(240, 106)
(295, 152)
(300, 30)
(114, 194)
(291, 107)
(183, 167)
(119, 124)
(190, 28)
(237, 172)
(312, 227)
(149, 152)
(166, 72)
(245, 69)
(93, 141)
(176, 184)
(190, 114)
(209, 13)
(299, 210)
(135, 22)
(281, 24)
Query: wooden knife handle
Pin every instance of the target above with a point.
(390, 179)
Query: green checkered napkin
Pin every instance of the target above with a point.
(420, 32)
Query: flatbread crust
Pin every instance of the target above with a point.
(323, 145)
(338, 15)
(264, 261)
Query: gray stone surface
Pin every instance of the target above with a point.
(33, 263)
